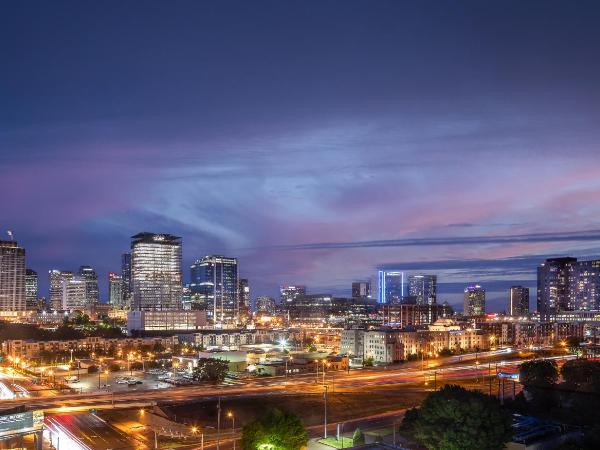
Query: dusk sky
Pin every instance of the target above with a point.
(315, 140)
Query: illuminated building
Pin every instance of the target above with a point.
(156, 272)
(287, 294)
(474, 303)
(553, 285)
(518, 304)
(215, 279)
(265, 305)
(361, 289)
(91, 286)
(116, 290)
(584, 285)
(165, 320)
(31, 289)
(126, 276)
(423, 288)
(391, 286)
(12, 277)
(74, 294)
(243, 299)
(56, 287)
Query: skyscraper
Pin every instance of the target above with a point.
(126, 276)
(518, 301)
(74, 294)
(156, 271)
(215, 278)
(474, 304)
(31, 289)
(56, 287)
(391, 286)
(361, 289)
(423, 288)
(12, 277)
(287, 294)
(116, 290)
(91, 286)
(584, 285)
(553, 287)
(243, 299)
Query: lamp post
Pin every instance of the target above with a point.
(232, 417)
(325, 415)
(106, 373)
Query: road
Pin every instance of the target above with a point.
(439, 371)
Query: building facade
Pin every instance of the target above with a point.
(287, 294)
(518, 301)
(423, 288)
(265, 305)
(126, 276)
(12, 277)
(553, 285)
(215, 278)
(116, 290)
(56, 279)
(391, 286)
(361, 290)
(31, 289)
(90, 277)
(474, 302)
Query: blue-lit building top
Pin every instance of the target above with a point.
(391, 286)
(215, 280)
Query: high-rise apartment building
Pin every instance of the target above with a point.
(215, 279)
(474, 304)
(391, 286)
(584, 285)
(156, 272)
(116, 290)
(553, 286)
(12, 277)
(361, 289)
(91, 286)
(56, 287)
(518, 301)
(31, 289)
(423, 288)
(126, 276)
(287, 294)
(265, 305)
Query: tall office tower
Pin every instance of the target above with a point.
(31, 289)
(156, 272)
(265, 305)
(215, 279)
(361, 289)
(584, 285)
(91, 286)
(423, 288)
(391, 286)
(287, 294)
(74, 293)
(518, 301)
(474, 304)
(116, 290)
(243, 299)
(126, 275)
(553, 286)
(56, 287)
(12, 277)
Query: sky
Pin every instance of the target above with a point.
(317, 141)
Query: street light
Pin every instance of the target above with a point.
(325, 415)
(232, 417)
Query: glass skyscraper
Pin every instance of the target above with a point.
(31, 289)
(91, 286)
(391, 286)
(126, 276)
(518, 301)
(116, 290)
(474, 303)
(215, 279)
(423, 288)
(156, 272)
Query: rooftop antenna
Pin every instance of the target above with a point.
(10, 235)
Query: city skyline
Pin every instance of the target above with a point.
(410, 141)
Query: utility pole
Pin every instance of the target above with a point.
(219, 424)
(325, 421)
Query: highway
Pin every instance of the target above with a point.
(442, 370)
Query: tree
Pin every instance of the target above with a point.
(538, 372)
(277, 430)
(358, 437)
(210, 369)
(580, 372)
(454, 418)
